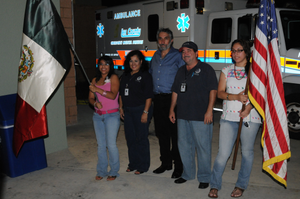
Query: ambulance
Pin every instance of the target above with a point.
(212, 25)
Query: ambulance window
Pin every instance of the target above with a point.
(221, 30)
(153, 24)
(291, 28)
(98, 16)
(244, 28)
(110, 14)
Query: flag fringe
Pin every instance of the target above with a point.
(260, 112)
(273, 160)
(276, 159)
(275, 176)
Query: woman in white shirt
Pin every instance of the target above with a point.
(231, 89)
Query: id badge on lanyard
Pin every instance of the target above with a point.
(183, 87)
(126, 92)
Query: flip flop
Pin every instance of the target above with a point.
(98, 178)
(111, 178)
(129, 169)
(137, 172)
(213, 193)
(237, 192)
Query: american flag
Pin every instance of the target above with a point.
(267, 95)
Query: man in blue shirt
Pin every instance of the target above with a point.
(163, 67)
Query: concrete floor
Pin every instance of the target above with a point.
(71, 173)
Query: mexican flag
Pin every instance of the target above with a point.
(44, 61)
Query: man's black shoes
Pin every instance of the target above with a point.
(176, 174)
(203, 185)
(162, 169)
(180, 181)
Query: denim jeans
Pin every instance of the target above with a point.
(228, 134)
(136, 134)
(106, 129)
(195, 135)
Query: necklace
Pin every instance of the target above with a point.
(235, 74)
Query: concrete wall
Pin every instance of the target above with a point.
(11, 23)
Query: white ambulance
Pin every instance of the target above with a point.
(212, 25)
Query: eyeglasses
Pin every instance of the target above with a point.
(237, 51)
(106, 64)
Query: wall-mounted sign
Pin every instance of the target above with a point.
(126, 15)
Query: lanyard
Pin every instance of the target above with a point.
(185, 74)
(126, 86)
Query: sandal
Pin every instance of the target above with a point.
(137, 172)
(237, 192)
(213, 193)
(111, 178)
(98, 178)
(129, 169)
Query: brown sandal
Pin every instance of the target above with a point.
(129, 169)
(237, 192)
(137, 172)
(111, 178)
(213, 193)
(98, 178)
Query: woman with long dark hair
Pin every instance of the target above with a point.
(135, 99)
(231, 89)
(106, 117)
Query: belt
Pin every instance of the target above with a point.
(106, 112)
(162, 94)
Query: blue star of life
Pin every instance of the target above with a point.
(183, 22)
(100, 30)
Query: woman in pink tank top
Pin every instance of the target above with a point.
(103, 95)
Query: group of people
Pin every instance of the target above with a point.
(180, 92)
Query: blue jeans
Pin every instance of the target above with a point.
(106, 129)
(195, 135)
(136, 134)
(228, 134)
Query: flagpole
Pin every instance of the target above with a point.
(80, 64)
(77, 58)
(241, 124)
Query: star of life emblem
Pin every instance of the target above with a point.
(26, 63)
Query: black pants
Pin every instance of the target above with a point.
(136, 134)
(166, 131)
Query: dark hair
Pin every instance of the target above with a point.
(139, 54)
(166, 30)
(108, 61)
(247, 50)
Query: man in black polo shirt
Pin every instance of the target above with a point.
(194, 91)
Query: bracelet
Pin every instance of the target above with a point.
(95, 104)
(146, 112)
(104, 93)
(227, 96)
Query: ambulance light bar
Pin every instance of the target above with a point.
(184, 4)
(199, 3)
(253, 3)
(172, 5)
